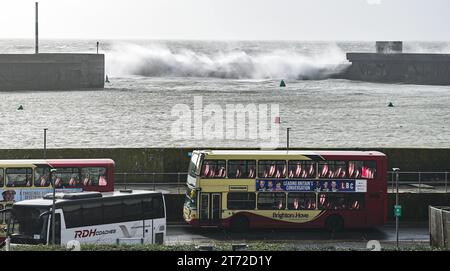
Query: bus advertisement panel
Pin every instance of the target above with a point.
(312, 185)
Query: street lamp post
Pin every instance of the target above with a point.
(45, 143)
(396, 204)
(287, 138)
(36, 29)
(53, 170)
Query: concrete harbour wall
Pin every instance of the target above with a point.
(51, 71)
(428, 69)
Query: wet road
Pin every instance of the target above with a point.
(409, 233)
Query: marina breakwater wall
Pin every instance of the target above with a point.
(426, 69)
(172, 160)
(51, 71)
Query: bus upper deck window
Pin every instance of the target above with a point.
(362, 169)
(41, 177)
(102, 181)
(241, 169)
(213, 169)
(18, 177)
(272, 169)
(66, 177)
(94, 176)
(301, 169)
(332, 169)
(74, 180)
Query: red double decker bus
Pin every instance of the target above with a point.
(32, 179)
(286, 189)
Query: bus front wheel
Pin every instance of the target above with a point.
(334, 223)
(239, 223)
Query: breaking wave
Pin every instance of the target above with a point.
(161, 61)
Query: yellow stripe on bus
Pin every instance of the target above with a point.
(293, 216)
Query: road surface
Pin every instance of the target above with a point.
(408, 234)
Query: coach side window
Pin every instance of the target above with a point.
(19, 177)
(132, 209)
(92, 214)
(158, 206)
(73, 216)
(153, 207)
(112, 211)
(147, 205)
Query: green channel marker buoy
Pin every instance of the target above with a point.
(390, 105)
(20, 107)
(282, 84)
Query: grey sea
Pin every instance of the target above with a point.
(148, 79)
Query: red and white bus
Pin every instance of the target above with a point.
(286, 189)
(32, 179)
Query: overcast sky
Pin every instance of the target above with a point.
(229, 19)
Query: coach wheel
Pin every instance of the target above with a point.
(239, 223)
(334, 223)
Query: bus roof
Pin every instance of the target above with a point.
(59, 201)
(54, 162)
(321, 154)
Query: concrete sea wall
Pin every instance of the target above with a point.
(428, 69)
(51, 71)
(177, 159)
